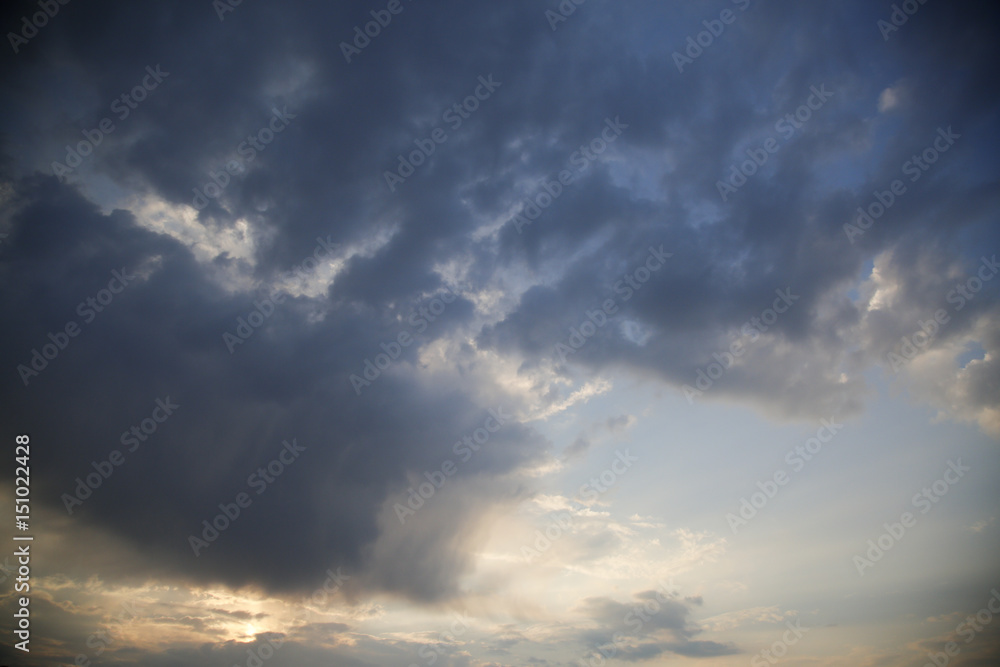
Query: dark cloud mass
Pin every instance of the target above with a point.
(204, 234)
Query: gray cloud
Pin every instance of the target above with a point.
(449, 228)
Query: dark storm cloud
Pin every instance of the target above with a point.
(784, 228)
(323, 176)
(161, 338)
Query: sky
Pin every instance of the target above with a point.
(547, 333)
